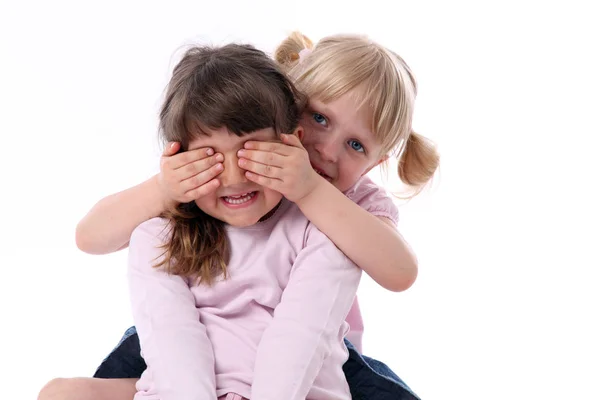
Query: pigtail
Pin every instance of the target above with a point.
(287, 53)
(419, 160)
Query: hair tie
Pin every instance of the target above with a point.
(303, 54)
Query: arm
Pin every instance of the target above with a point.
(307, 321)
(183, 177)
(108, 225)
(173, 340)
(371, 241)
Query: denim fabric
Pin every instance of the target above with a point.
(368, 379)
(125, 361)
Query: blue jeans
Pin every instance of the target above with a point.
(367, 378)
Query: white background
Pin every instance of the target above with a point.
(506, 304)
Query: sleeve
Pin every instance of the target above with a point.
(306, 322)
(374, 199)
(174, 342)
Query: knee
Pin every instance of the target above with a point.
(66, 389)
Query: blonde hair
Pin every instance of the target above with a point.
(341, 63)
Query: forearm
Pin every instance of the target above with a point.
(174, 342)
(107, 227)
(307, 323)
(372, 244)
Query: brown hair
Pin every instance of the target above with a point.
(235, 86)
(340, 63)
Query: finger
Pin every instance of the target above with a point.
(171, 149)
(201, 178)
(291, 140)
(263, 157)
(196, 167)
(268, 171)
(182, 159)
(275, 147)
(203, 190)
(270, 183)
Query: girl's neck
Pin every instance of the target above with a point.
(270, 213)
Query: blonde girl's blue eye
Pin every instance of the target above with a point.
(356, 146)
(319, 119)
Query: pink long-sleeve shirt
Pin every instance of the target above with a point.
(273, 329)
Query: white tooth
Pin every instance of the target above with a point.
(239, 199)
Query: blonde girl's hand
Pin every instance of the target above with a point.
(284, 167)
(188, 175)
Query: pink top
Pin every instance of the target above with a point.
(273, 330)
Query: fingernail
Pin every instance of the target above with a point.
(219, 157)
(240, 152)
(219, 166)
(210, 152)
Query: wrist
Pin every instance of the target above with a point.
(160, 202)
(316, 189)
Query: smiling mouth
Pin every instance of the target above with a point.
(239, 199)
(323, 174)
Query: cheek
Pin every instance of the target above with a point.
(272, 196)
(270, 199)
(310, 141)
(308, 132)
(351, 171)
(364, 169)
(206, 202)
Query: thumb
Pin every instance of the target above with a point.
(291, 140)
(171, 149)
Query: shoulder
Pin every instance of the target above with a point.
(373, 198)
(146, 245)
(294, 228)
(289, 217)
(154, 231)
